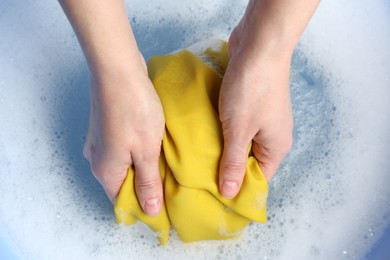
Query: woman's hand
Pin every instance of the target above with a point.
(254, 106)
(254, 102)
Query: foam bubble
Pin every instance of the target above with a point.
(329, 199)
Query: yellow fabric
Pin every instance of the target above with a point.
(192, 146)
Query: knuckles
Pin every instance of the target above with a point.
(142, 184)
(234, 169)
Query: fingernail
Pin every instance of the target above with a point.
(152, 207)
(229, 189)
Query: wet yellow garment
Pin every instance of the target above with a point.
(192, 146)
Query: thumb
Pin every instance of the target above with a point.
(232, 167)
(148, 187)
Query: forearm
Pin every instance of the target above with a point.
(105, 35)
(273, 26)
(254, 101)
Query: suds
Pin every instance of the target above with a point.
(329, 199)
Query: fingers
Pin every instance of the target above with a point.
(232, 167)
(111, 172)
(109, 176)
(270, 150)
(268, 162)
(148, 186)
(234, 159)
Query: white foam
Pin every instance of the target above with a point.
(329, 199)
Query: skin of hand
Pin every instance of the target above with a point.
(126, 123)
(254, 101)
(126, 128)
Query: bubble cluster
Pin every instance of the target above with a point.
(329, 199)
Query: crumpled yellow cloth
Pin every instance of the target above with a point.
(188, 89)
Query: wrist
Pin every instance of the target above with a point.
(271, 27)
(110, 70)
(105, 35)
(248, 56)
(250, 39)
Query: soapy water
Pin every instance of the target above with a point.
(329, 199)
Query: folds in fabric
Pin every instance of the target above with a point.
(188, 88)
